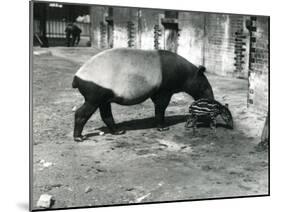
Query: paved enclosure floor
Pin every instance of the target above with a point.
(143, 165)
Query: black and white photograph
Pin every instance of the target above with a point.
(137, 105)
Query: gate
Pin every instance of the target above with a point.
(55, 31)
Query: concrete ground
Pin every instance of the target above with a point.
(143, 165)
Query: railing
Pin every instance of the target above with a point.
(56, 28)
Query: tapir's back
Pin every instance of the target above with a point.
(127, 72)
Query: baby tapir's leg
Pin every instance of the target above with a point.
(194, 123)
(213, 124)
(188, 122)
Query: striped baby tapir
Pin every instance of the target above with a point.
(207, 110)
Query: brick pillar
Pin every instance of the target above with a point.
(131, 29)
(239, 46)
(171, 30)
(157, 35)
(103, 35)
(252, 27)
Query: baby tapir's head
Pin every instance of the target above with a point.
(226, 116)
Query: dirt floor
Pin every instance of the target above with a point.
(143, 165)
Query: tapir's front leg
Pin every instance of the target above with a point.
(82, 115)
(161, 102)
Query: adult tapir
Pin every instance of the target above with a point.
(130, 76)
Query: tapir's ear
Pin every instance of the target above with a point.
(201, 69)
(226, 105)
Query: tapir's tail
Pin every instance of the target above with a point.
(75, 82)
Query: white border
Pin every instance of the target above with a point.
(15, 104)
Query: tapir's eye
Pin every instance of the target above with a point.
(226, 116)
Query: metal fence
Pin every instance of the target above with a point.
(56, 28)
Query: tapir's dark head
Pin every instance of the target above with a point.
(201, 87)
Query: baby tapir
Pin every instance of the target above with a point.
(131, 76)
(206, 110)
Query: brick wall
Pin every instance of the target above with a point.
(132, 27)
(226, 44)
(218, 47)
(149, 19)
(98, 24)
(259, 64)
(222, 43)
(217, 41)
(125, 19)
(191, 36)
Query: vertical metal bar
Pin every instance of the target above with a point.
(61, 28)
(48, 28)
(43, 25)
(52, 28)
(56, 28)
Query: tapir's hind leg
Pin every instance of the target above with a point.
(161, 102)
(82, 115)
(107, 117)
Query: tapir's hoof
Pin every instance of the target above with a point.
(163, 129)
(79, 138)
(118, 132)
